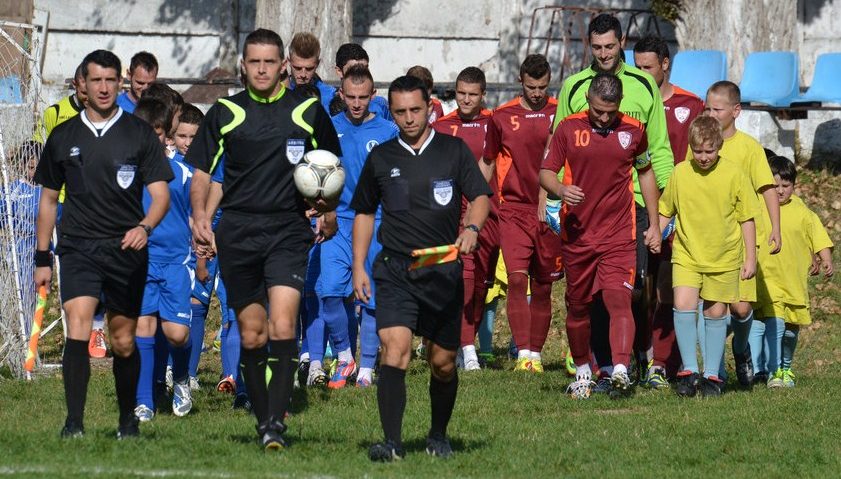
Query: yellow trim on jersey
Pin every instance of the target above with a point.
(239, 118)
(254, 96)
(298, 119)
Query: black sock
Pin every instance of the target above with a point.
(253, 367)
(391, 398)
(76, 371)
(442, 396)
(282, 354)
(126, 373)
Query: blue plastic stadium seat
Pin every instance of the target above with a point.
(771, 78)
(826, 83)
(10, 90)
(629, 57)
(697, 70)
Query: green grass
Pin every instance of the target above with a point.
(505, 424)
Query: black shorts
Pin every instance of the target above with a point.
(257, 252)
(101, 269)
(428, 300)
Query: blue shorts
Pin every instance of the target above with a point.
(228, 314)
(202, 291)
(167, 292)
(336, 279)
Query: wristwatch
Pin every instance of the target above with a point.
(147, 229)
(473, 228)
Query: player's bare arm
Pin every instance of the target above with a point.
(651, 195)
(825, 256)
(477, 213)
(326, 226)
(570, 194)
(363, 232)
(199, 193)
(47, 210)
(749, 235)
(664, 221)
(487, 167)
(772, 202)
(137, 237)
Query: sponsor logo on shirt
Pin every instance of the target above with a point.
(624, 139)
(371, 144)
(628, 285)
(184, 315)
(442, 190)
(294, 150)
(74, 151)
(395, 172)
(125, 175)
(536, 115)
(682, 114)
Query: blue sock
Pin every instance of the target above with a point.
(686, 334)
(486, 329)
(146, 349)
(741, 331)
(352, 327)
(335, 316)
(230, 349)
(370, 341)
(774, 329)
(756, 339)
(789, 345)
(180, 361)
(716, 337)
(316, 338)
(196, 336)
(161, 354)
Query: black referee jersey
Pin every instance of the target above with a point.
(420, 191)
(105, 168)
(262, 141)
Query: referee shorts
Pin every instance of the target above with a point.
(427, 300)
(101, 269)
(257, 252)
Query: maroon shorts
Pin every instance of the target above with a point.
(481, 264)
(528, 244)
(593, 268)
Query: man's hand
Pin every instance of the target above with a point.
(572, 195)
(541, 207)
(467, 241)
(323, 206)
(775, 241)
(653, 238)
(43, 276)
(361, 285)
(202, 233)
(135, 239)
(326, 227)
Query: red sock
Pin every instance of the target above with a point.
(618, 304)
(666, 353)
(468, 328)
(519, 316)
(578, 332)
(541, 314)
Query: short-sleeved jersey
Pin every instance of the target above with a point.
(170, 241)
(437, 111)
(599, 161)
(419, 191)
(326, 92)
(710, 206)
(516, 140)
(125, 102)
(641, 100)
(262, 140)
(356, 142)
(745, 152)
(473, 132)
(379, 106)
(681, 109)
(56, 114)
(786, 273)
(104, 170)
(23, 198)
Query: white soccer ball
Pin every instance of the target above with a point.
(319, 174)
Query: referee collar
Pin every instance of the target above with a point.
(254, 96)
(100, 132)
(423, 147)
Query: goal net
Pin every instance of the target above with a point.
(20, 107)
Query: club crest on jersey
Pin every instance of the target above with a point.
(125, 175)
(624, 139)
(74, 151)
(371, 144)
(442, 190)
(395, 172)
(682, 114)
(294, 150)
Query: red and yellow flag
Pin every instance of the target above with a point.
(435, 255)
(32, 351)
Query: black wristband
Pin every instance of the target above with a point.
(473, 228)
(43, 259)
(147, 229)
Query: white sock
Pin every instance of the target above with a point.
(583, 373)
(99, 322)
(524, 354)
(365, 373)
(607, 370)
(619, 368)
(345, 356)
(535, 355)
(468, 353)
(304, 357)
(315, 365)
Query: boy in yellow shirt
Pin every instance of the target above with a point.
(724, 104)
(714, 248)
(784, 301)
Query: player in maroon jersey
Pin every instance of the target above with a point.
(597, 150)
(651, 55)
(470, 123)
(516, 138)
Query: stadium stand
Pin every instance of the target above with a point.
(696, 70)
(826, 86)
(771, 78)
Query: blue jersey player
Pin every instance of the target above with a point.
(359, 131)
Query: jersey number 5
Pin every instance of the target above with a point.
(515, 123)
(582, 137)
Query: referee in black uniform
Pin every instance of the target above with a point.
(419, 177)
(264, 234)
(105, 157)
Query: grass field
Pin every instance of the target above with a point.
(505, 424)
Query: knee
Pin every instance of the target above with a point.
(396, 355)
(122, 345)
(740, 310)
(443, 367)
(517, 281)
(577, 312)
(178, 338)
(252, 339)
